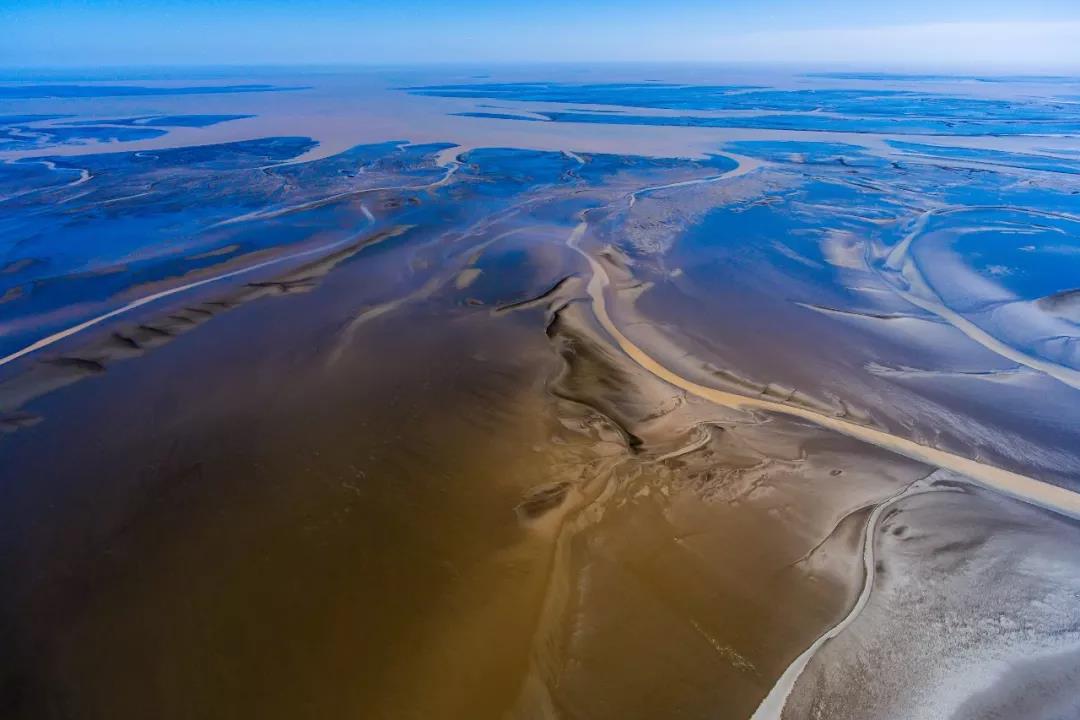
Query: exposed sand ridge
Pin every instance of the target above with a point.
(1013, 484)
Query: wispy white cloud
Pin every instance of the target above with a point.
(683, 31)
(985, 44)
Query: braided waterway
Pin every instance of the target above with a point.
(543, 419)
(1022, 487)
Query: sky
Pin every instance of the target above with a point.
(1014, 35)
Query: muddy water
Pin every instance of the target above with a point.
(452, 513)
(382, 442)
(269, 538)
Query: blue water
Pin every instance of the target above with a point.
(226, 407)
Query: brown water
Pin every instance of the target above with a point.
(472, 449)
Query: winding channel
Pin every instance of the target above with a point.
(1021, 487)
(901, 273)
(772, 706)
(134, 304)
(448, 159)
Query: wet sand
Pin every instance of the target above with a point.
(469, 431)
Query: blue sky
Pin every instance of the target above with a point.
(1029, 35)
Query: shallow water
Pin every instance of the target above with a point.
(351, 393)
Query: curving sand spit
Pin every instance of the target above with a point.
(902, 274)
(447, 159)
(1019, 486)
(743, 166)
(134, 304)
(772, 707)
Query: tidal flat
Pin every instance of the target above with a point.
(554, 393)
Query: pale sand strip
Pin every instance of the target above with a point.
(743, 166)
(447, 159)
(772, 706)
(1021, 487)
(1062, 373)
(900, 262)
(1013, 484)
(86, 324)
(84, 176)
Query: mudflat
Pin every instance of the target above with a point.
(728, 395)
